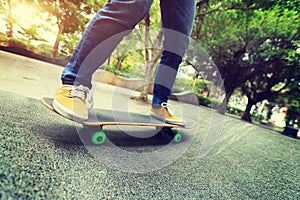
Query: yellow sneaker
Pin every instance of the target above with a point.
(165, 113)
(70, 101)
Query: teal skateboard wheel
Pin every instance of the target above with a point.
(177, 137)
(99, 138)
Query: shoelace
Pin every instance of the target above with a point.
(80, 92)
(169, 108)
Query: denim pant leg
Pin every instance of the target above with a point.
(115, 20)
(177, 20)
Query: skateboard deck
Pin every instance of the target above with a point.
(104, 117)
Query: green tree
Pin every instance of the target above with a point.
(31, 33)
(71, 16)
(69, 42)
(6, 9)
(290, 95)
(10, 20)
(245, 39)
(277, 72)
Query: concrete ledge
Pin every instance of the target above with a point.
(112, 79)
(30, 54)
(137, 84)
(185, 97)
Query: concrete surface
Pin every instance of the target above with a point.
(44, 156)
(33, 78)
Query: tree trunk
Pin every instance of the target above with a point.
(144, 93)
(147, 77)
(229, 89)
(57, 41)
(10, 20)
(222, 108)
(119, 63)
(200, 18)
(150, 62)
(149, 71)
(247, 116)
(108, 60)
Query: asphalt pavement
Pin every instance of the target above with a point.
(44, 156)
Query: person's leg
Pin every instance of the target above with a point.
(177, 19)
(115, 20)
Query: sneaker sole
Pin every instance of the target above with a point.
(68, 113)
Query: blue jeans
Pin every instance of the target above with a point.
(114, 21)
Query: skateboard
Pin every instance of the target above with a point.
(103, 117)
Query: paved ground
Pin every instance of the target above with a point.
(43, 156)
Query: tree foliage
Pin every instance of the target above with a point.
(71, 16)
(10, 17)
(249, 41)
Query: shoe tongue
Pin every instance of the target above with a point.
(80, 92)
(170, 111)
(168, 107)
